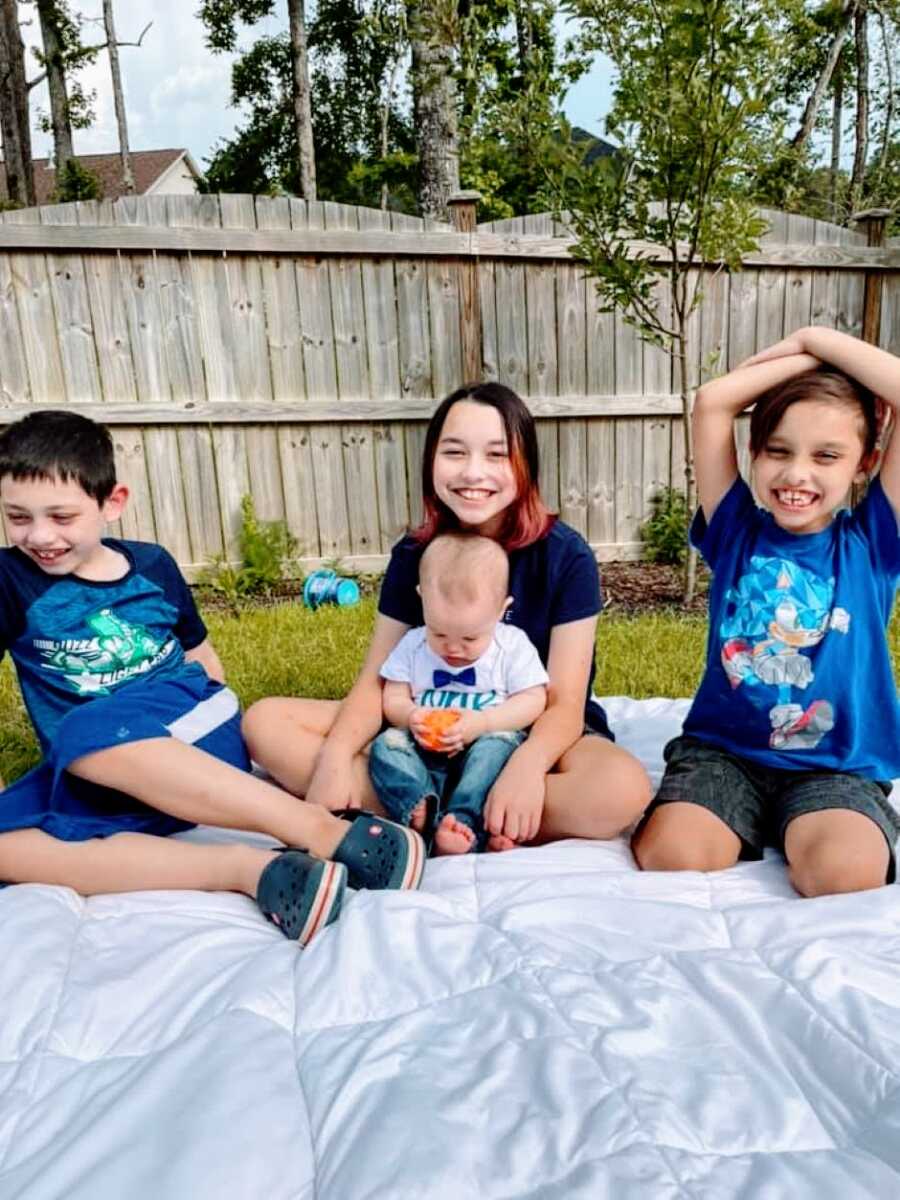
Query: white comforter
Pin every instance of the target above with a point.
(544, 1023)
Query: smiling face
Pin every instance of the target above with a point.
(58, 525)
(472, 471)
(804, 469)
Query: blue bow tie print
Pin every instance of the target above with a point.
(466, 677)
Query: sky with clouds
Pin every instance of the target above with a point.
(177, 92)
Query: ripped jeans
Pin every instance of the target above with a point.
(404, 774)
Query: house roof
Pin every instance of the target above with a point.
(148, 167)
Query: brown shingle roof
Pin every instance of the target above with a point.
(148, 166)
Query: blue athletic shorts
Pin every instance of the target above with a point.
(188, 706)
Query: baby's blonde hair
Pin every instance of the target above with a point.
(461, 567)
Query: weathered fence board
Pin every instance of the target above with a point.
(295, 351)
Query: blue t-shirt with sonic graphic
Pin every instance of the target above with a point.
(75, 639)
(798, 674)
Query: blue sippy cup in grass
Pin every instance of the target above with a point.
(327, 587)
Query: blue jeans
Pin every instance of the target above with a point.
(405, 773)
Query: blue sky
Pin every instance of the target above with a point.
(177, 92)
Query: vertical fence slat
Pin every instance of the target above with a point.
(111, 336)
(512, 340)
(37, 320)
(314, 293)
(285, 347)
(140, 283)
(571, 354)
(443, 311)
(14, 386)
(379, 290)
(180, 277)
(601, 455)
(211, 299)
(354, 384)
(72, 309)
(254, 379)
(798, 285)
(131, 469)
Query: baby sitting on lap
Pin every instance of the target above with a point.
(465, 664)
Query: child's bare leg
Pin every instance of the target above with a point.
(185, 782)
(129, 862)
(453, 836)
(835, 850)
(685, 837)
(285, 736)
(597, 790)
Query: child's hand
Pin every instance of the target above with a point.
(466, 729)
(794, 343)
(427, 725)
(515, 803)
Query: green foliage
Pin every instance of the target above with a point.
(696, 109)
(75, 54)
(266, 548)
(76, 182)
(354, 54)
(665, 533)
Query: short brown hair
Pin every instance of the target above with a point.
(821, 383)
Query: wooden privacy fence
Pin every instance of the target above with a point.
(242, 344)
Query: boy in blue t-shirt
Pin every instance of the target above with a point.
(140, 736)
(794, 734)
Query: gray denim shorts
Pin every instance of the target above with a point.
(758, 803)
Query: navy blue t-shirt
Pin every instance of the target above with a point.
(553, 581)
(798, 673)
(72, 639)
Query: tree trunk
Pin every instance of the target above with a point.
(889, 77)
(306, 152)
(434, 107)
(15, 127)
(801, 137)
(56, 84)
(524, 38)
(118, 96)
(862, 107)
(837, 118)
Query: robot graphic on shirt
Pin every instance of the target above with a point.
(118, 651)
(776, 611)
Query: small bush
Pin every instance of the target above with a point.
(75, 182)
(266, 550)
(665, 534)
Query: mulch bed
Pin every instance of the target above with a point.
(628, 587)
(638, 587)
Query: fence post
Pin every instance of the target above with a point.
(873, 222)
(462, 214)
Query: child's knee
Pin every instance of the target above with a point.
(667, 841)
(829, 869)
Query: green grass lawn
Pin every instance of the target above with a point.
(289, 651)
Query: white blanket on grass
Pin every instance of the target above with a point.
(548, 1023)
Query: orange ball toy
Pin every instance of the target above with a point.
(437, 722)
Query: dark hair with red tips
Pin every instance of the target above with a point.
(527, 518)
(821, 383)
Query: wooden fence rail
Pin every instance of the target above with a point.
(295, 351)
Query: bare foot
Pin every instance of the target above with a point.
(453, 837)
(499, 841)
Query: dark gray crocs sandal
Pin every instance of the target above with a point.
(301, 894)
(379, 853)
